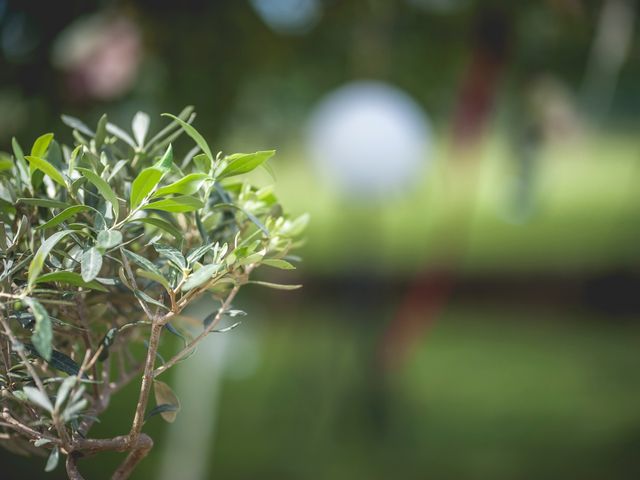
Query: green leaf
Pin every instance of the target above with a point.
(44, 166)
(40, 146)
(275, 286)
(166, 161)
(71, 278)
(162, 409)
(140, 127)
(155, 277)
(72, 411)
(172, 330)
(52, 461)
(38, 398)
(193, 133)
(202, 162)
(62, 216)
(278, 263)
(35, 267)
(240, 163)
(108, 239)
(23, 168)
(197, 254)
(43, 202)
(185, 186)
(184, 114)
(172, 254)
(165, 396)
(90, 264)
(143, 296)
(177, 204)
(77, 125)
(121, 134)
(43, 332)
(58, 360)
(142, 262)
(161, 224)
(201, 276)
(146, 181)
(101, 131)
(106, 343)
(63, 392)
(104, 188)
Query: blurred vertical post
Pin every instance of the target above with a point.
(190, 441)
(429, 292)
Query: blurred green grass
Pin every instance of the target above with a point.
(585, 217)
(488, 393)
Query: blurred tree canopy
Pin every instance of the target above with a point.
(222, 57)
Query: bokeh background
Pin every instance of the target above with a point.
(471, 274)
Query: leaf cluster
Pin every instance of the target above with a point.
(108, 235)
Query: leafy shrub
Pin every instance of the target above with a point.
(103, 246)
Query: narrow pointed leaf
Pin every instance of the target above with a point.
(166, 161)
(121, 134)
(177, 204)
(62, 216)
(140, 127)
(146, 181)
(52, 461)
(185, 186)
(35, 267)
(165, 396)
(193, 133)
(38, 398)
(278, 263)
(200, 277)
(104, 188)
(43, 332)
(40, 146)
(44, 166)
(142, 262)
(275, 286)
(77, 124)
(101, 131)
(72, 278)
(43, 202)
(90, 264)
(240, 163)
(172, 254)
(108, 239)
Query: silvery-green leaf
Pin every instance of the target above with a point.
(63, 392)
(38, 398)
(108, 239)
(90, 264)
(43, 331)
(140, 127)
(52, 461)
(201, 276)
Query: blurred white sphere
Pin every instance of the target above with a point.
(369, 139)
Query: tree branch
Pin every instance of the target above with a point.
(147, 380)
(191, 345)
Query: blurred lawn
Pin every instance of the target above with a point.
(489, 393)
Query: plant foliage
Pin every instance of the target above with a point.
(103, 244)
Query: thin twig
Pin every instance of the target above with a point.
(191, 345)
